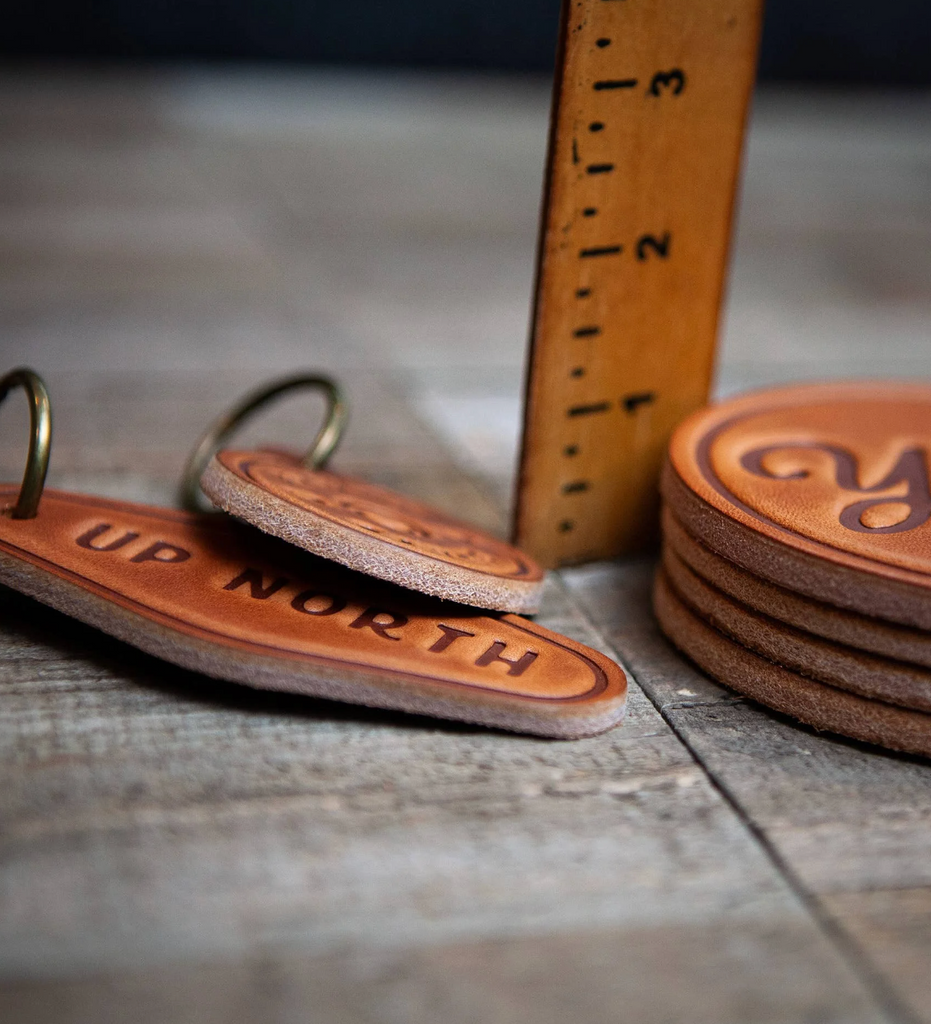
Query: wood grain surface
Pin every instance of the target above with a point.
(174, 849)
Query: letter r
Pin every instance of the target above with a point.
(369, 620)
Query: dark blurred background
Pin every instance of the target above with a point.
(842, 41)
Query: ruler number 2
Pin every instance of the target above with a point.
(673, 81)
(650, 243)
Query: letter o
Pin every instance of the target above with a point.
(299, 604)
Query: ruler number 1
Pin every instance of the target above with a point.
(667, 81)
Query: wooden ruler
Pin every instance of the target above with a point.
(648, 115)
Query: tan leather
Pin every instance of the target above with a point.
(835, 664)
(777, 687)
(824, 620)
(822, 489)
(210, 594)
(373, 530)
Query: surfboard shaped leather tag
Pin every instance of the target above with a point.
(372, 530)
(822, 489)
(206, 593)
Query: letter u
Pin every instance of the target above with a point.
(86, 540)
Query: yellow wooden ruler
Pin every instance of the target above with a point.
(648, 117)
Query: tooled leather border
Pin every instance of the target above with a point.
(703, 460)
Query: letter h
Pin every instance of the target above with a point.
(516, 666)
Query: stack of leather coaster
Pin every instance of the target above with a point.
(796, 562)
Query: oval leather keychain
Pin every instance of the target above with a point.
(360, 525)
(210, 594)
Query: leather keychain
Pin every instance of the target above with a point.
(213, 595)
(358, 524)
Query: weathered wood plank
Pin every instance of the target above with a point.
(425, 829)
(616, 598)
(175, 848)
(893, 926)
(851, 823)
(703, 974)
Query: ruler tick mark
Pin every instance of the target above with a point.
(570, 450)
(600, 250)
(596, 126)
(589, 211)
(576, 487)
(566, 525)
(582, 293)
(602, 43)
(587, 410)
(599, 168)
(586, 332)
(615, 83)
(578, 371)
(632, 402)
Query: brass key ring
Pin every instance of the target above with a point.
(40, 439)
(328, 437)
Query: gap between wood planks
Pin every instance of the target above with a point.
(847, 947)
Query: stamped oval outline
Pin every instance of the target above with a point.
(703, 461)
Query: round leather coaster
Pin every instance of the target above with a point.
(373, 530)
(843, 667)
(815, 704)
(824, 620)
(822, 489)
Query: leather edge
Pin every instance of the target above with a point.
(357, 551)
(877, 596)
(843, 667)
(557, 720)
(843, 626)
(785, 691)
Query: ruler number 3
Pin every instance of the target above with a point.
(673, 80)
